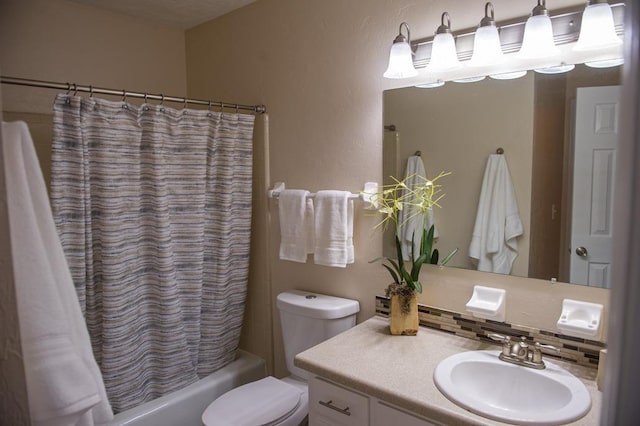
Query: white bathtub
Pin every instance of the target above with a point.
(185, 407)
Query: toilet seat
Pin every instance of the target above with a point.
(264, 402)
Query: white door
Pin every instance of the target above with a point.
(596, 136)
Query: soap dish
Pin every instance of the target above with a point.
(580, 319)
(488, 303)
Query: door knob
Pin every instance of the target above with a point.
(582, 252)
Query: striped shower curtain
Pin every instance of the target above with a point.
(153, 208)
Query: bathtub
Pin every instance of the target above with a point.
(185, 407)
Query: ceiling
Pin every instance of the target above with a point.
(181, 14)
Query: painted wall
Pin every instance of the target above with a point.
(318, 66)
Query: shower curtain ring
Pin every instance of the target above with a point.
(68, 88)
(90, 91)
(237, 108)
(75, 89)
(185, 103)
(145, 97)
(124, 99)
(161, 99)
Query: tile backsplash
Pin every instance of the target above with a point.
(581, 351)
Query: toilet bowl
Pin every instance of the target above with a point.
(306, 319)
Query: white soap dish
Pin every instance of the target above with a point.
(488, 303)
(580, 319)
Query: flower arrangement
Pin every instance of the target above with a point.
(422, 196)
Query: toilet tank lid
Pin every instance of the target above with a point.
(316, 305)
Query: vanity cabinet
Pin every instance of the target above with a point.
(335, 405)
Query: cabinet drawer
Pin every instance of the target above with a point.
(330, 404)
(384, 415)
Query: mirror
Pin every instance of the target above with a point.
(457, 127)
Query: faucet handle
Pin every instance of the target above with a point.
(539, 349)
(499, 337)
(505, 340)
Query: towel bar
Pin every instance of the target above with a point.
(370, 188)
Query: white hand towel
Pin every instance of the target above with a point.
(296, 225)
(494, 242)
(411, 220)
(333, 229)
(64, 383)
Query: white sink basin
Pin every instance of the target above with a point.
(481, 383)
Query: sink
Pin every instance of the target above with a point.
(481, 383)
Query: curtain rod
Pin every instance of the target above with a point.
(260, 109)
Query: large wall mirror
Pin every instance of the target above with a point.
(557, 134)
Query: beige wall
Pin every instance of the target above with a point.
(458, 137)
(63, 41)
(318, 66)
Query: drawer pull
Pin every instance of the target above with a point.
(329, 404)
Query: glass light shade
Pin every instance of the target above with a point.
(558, 69)
(509, 75)
(433, 85)
(605, 63)
(597, 29)
(469, 79)
(443, 54)
(538, 38)
(400, 62)
(486, 47)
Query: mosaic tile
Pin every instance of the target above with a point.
(572, 349)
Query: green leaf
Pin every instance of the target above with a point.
(400, 257)
(427, 241)
(417, 286)
(393, 274)
(417, 264)
(434, 257)
(449, 257)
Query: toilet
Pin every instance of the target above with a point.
(306, 319)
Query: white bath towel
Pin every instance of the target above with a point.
(494, 242)
(296, 225)
(411, 220)
(333, 229)
(64, 383)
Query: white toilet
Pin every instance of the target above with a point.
(307, 319)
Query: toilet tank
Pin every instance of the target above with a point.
(309, 318)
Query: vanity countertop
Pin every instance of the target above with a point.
(399, 369)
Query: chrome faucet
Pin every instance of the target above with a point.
(522, 352)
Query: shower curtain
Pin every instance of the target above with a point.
(153, 208)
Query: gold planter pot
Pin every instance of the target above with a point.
(403, 323)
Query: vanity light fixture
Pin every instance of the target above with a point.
(538, 34)
(486, 42)
(443, 54)
(538, 40)
(401, 56)
(486, 47)
(598, 31)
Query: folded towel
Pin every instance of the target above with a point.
(411, 220)
(494, 242)
(296, 225)
(64, 384)
(333, 229)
